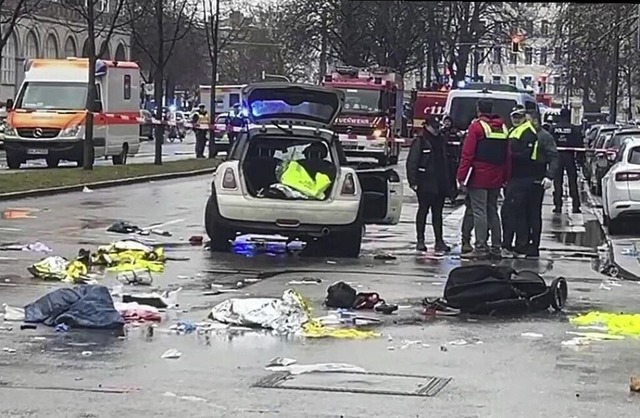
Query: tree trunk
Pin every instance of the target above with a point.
(157, 83)
(87, 152)
(214, 79)
(323, 48)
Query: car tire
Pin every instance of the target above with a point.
(121, 159)
(393, 160)
(53, 162)
(615, 227)
(217, 233)
(13, 162)
(383, 161)
(346, 244)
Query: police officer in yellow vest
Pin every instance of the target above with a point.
(200, 120)
(530, 177)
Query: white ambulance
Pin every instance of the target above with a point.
(226, 97)
(48, 118)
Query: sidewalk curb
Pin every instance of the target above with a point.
(104, 184)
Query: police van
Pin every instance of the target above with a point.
(461, 103)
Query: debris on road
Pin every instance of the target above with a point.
(167, 299)
(634, 384)
(615, 324)
(135, 277)
(135, 312)
(123, 227)
(87, 353)
(34, 247)
(385, 257)
(297, 369)
(85, 306)
(531, 335)
(9, 350)
(288, 315)
(13, 314)
(185, 327)
(305, 280)
(186, 397)
(196, 240)
(341, 295)
(85, 189)
(60, 269)
(281, 362)
(172, 353)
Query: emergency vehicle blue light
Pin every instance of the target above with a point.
(244, 112)
(172, 108)
(461, 84)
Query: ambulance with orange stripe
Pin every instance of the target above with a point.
(370, 121)
(48, 118)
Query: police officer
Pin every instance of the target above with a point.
(566, 135)
(522, 208)
(429, 176)
(200, 120)
(234, 123)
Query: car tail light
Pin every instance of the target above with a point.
(229, 179)
(349, 185)
(627, 176)
(611, 155)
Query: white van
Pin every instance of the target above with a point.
(48, 118)
(226, 97)
(461, 104)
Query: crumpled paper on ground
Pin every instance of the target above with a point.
(615, 324)
(59, 268)
(12, 313)
(290, 314)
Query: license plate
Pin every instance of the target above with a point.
(349, 145)
(38, 151)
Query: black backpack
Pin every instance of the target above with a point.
(486, 289)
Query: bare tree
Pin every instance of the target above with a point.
(11, 13)
(156, 35)
(99, 19)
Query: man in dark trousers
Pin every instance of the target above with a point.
(522, 208)
(485, 166)
(428, 174)
(200, 120)
(566, 135)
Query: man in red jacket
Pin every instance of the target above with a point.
(485, 166)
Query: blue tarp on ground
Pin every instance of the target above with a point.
(85, 306)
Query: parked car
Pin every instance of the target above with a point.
(146, 125)
(247, 195)
(605, 159)
(621, 187)
(594, 152)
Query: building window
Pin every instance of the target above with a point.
(544, 28)
(497, 55)
(127, 87)
(556, 84)
(513, 58)
(51, 47)
(513, 80)
(543, 55)
(528, 27)
(478, 55)
(70, 49)
(480, 78)
(557, 55)
(559, 28)
(527, 82)
(121, 54)
(528, 55)
(9, 61)
(497, 26)
(31, 46)
(496, 79)
(542, 85)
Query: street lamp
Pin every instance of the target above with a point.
(214, 77)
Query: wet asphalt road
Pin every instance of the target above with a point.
(507, 375)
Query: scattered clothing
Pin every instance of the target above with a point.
(135, 312)
(122, 227)
(85, 306)
(60, 269)
(342, 296)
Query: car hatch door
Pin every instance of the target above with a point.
(381, 194)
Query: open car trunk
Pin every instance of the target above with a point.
(264, 162)
(382, 195)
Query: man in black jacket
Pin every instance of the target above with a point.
(428, 174)
(568, 136)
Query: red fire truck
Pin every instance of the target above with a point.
(425, 103)
(370, 122)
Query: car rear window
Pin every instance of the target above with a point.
(634, 155)
(463, 110)
(619, 139)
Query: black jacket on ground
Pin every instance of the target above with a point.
(428, 166)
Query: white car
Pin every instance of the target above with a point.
(621, 187)
(292, 122)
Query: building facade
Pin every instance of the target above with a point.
(537, 64)
(50, 36)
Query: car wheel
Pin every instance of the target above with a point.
(121, 159)
(218, 235)
(13, 162)
(345, 244)
(383, 161)
(53, 162)
(615, 227)
(393, 160)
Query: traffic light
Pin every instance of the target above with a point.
(515, 47)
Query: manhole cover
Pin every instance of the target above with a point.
(357, 382)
